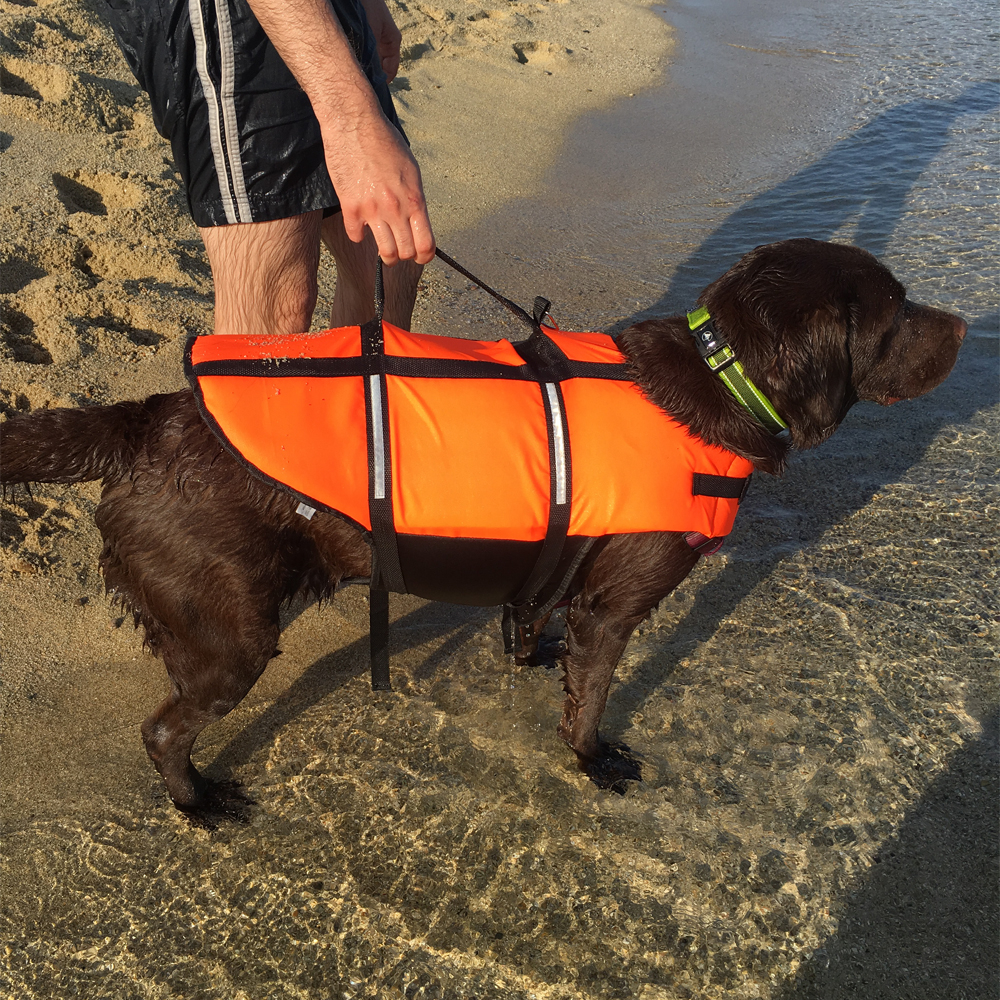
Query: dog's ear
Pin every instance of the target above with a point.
(810, 374)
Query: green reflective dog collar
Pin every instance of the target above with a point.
(721, 358)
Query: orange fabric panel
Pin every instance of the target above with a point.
(342, 342)
(470, 458)
(586, 346)
(402, 343)
(282, 426)
(633, 465)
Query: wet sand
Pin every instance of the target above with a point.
(816, 706)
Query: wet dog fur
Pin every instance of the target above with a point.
(204, 554)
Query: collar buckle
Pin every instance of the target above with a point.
(707, 338)
(719, 356)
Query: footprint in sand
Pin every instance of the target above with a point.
(48, 92)
(96, 194)
(36, 81)
(77, 197)
(17, 271)
(411, 53)
(17, 332)
(544, 54)
(34, 528)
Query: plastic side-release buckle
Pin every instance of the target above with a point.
(708, 339)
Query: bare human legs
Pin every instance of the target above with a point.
(353, 301)
(265, 276)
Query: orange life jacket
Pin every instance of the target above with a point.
(468, 456)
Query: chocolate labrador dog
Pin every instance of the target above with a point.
(204, 553)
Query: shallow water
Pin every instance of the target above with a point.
(814, 705)
(871, 123)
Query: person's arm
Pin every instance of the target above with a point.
(387, 36)
(374, 174)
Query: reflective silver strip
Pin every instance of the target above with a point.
(558, 441)
(228, 72)
(305, 510)
(378, 438)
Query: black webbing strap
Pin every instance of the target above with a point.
(378, 636)
(402, 366)
(386, 572)
(728, 487)
(512, 306)
(541, 309)
(541, 603)
(509, 631)
(544, 358)
(549, 363)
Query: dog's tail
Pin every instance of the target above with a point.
(70, 445)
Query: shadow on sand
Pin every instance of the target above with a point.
(924, 922)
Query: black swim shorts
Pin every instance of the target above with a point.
(244, 136)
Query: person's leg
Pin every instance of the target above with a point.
(354, 298)
(265, 274)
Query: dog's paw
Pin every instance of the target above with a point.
(219, 802)
(614, 766)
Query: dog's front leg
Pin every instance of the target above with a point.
(630, 577)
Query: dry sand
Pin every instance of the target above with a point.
(438, 841)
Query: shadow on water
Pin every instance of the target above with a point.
(864, 180)
(830, 484)
(869, 176)
(924, 923)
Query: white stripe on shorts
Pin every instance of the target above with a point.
(228, 72)
(221, 110)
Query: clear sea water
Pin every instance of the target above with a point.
(868, 122)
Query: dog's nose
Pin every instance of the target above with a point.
(961, 328)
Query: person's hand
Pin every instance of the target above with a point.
(378, 183)
(374, 174)
(387, 36)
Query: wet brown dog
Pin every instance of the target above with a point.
(205, 555)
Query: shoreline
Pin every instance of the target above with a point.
(524, 72)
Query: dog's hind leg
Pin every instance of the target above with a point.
(630, 577)
(208, 679)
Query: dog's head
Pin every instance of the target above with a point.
(820, 326)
